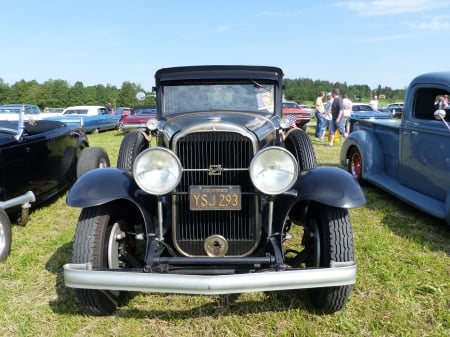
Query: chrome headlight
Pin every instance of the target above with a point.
(152, 124)
(157, 170)
(285, 123)
(273, 170)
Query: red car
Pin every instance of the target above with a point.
(298, 115)
(138, 118)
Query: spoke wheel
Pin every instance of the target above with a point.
(354, 166)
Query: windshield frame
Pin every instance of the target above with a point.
(246, 95)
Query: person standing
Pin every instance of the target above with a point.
(337, 116)
(108, 107)
(374, 102)
(347, 112)
(326, 116)
(320, 109)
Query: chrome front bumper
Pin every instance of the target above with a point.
(82, 276)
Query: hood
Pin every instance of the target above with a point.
(6, 138)
(138, 118)
(371, 115)
(261, 125)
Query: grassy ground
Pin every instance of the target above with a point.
(402, 288)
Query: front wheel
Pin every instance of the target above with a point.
(5, 235)
(101, 238)
(328, 237)
(300, 145)
(91, 158)
(132, 144)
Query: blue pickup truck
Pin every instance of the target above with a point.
(409, 158)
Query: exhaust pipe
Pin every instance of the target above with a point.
(20, 200)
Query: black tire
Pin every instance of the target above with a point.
(299, 144)
(328, 237)
(132, 144)
(5, 235)
(354, 165)
(95, 242)
(91, 158)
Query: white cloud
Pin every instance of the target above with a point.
(391, 7)
(385, 38)
(272, 13)
(438, 23)
(222, 29)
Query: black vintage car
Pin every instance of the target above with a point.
(216, 197)
(38, 160)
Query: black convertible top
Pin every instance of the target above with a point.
(206, 72)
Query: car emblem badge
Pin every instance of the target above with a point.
(215, 170)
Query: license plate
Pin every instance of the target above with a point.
(211, 198)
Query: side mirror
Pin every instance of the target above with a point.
(439, 114)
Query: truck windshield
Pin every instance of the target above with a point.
(251, 96)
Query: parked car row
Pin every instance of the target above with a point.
(366, 111)
(298, 115)
(94, 118)
(138, 118)
(396, 109)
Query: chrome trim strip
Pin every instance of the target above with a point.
(81, 276)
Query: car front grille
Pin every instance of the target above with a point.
(241, 228)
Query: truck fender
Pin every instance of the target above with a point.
(100, 186)
(369, 147)
(330, 186)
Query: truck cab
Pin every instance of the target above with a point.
(409, 158)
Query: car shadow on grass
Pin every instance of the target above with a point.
(182, 305)
(408, 222)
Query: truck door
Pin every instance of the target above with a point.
(425, 146)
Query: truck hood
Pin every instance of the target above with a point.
(260, 124)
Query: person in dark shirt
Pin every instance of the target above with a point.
(337, 112)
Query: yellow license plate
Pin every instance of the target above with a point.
(210, 198)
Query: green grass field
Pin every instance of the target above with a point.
(403, 286)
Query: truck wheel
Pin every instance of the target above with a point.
(132, 144)
(91, 158)
(299, 144)
(5, 235)
(328, 237)
(354, 165)
(100, 238)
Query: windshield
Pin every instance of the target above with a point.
(250, 96)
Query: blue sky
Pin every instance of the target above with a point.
(379, 42)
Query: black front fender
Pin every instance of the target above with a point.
(100, 186)
(330, 186)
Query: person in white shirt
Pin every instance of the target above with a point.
(374, 103)
(347, 112)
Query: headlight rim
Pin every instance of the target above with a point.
(146, 188)
(293, 179)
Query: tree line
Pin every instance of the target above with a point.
(60, 93)
(305, 90)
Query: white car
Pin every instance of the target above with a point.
(11, 112)
(94, 118)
